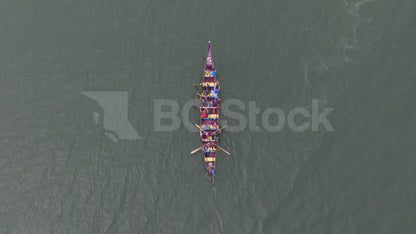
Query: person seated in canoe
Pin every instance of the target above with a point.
(206, 91)
(207, 73)
(213, 72)
(204, 102)
(216, 135)
(215, 102)
(204, 114)
(210, 168)
(215, 125)
(216, 90)
(204, 135)
(206, 148)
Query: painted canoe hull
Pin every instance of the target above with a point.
(209, 122)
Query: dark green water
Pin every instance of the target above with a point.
(61, 173)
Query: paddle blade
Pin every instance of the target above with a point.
(196, 150)
(222, 128)
(196, 125)
(225, 151)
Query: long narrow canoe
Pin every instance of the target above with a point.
(209, 110)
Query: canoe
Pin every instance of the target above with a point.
(210, 115)
(210, 122)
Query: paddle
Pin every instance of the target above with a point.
(225, 151)
(202, 96)
(221, 128)
(196, 150)
(217, 131)
(196, 125)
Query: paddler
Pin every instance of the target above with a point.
(210, 167)
(216, 90)
(206, 90)
(215, 125)
(204, 102)
(204, 114)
